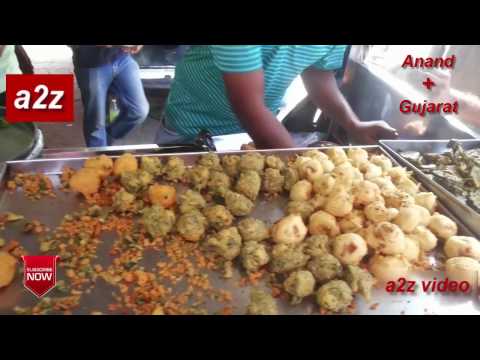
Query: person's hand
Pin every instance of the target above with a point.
(249, 146)
(132, 50)
(441, 91)
(416, 128)
(369, 132)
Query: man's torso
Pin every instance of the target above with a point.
(198, 99)
(95, 56)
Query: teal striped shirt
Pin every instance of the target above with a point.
(198, 100)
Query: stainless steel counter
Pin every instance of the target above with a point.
(50, 211)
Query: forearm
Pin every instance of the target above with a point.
(245, 92)
(468, 106)
(264, 128)
(334, 105)
(324, 93)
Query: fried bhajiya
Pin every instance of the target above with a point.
(103, 164)
(252, 161)
(227, 243)
(325, 267)
(248, 184)
(164, 195)
(299, 284)
(158, 221)
(334, 296)
(261, 303)
(8, 265)
(174, 169)
(198, 177)
(218, 216)
(252, 229)
(238, 204)
(231, 165)
(135, 181)
(273, 181)
(126, 162)
(219, 183)
(86, 181)
(151, 164)
(191, 225)
(254, 256)
(191, 200)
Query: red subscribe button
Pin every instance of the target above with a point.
(39, 98)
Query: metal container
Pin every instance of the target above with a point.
(19, 141)
(50, 211)
(456, 204)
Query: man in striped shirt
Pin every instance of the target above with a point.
(227, 89)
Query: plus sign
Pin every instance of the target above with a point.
(428, 83)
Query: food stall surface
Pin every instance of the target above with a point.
(460, 191)
(102, 293)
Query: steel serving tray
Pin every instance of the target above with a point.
(456, 204)
(50, 211)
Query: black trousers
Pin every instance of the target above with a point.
(2, 99)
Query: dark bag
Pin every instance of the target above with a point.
(24, 61)
(203, 142)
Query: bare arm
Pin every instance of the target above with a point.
(468, 106)
(246, 95)
(131, 49)
(323, 90)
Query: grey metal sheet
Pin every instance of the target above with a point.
(456, 204)
(50, 211)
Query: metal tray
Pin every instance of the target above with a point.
(17, 141)
(50, 211)
(456, 204)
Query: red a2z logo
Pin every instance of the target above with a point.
(39, 98)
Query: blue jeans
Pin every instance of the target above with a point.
(166, 136)
(122, 79)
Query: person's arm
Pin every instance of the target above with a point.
(23, 59)
(323, 90)
(468, 106)
(132, 50)
(246, 94)
(2, 48)
(241, 67)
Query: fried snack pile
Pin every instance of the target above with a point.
(353, 221)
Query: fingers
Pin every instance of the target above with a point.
(389, 134)
(440, 76)
(370, 141)
(385, 131)
(132, 50)
(249, 146)
(415, 128)
(384, 126)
